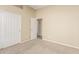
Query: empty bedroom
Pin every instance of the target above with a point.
(39, 29)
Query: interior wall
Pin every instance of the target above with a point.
(60, 24)
(26, 13)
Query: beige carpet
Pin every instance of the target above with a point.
(38, 47)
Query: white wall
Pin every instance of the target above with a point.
(60, 24)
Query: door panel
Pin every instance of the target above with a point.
(10, 29)
(33, 28)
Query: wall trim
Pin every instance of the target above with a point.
(68, 45)
(24, 41)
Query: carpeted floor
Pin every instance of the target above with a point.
(38, 47)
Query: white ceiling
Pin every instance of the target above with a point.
(37, 6)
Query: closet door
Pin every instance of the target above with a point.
(10, 29)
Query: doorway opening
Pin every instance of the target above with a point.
(39, 28)
(36, 28)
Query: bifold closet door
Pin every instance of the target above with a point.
(10, 29)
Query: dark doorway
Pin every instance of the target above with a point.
(39, 30)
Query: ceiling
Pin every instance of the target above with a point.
(37, 6)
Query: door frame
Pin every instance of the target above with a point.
(37, 28)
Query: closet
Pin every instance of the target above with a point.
(10, 29)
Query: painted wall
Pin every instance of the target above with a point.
(60, 24)
(26, 14)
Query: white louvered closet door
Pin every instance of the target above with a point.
(10, 29)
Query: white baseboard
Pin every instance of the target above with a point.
(24, 41)
(68, 45)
